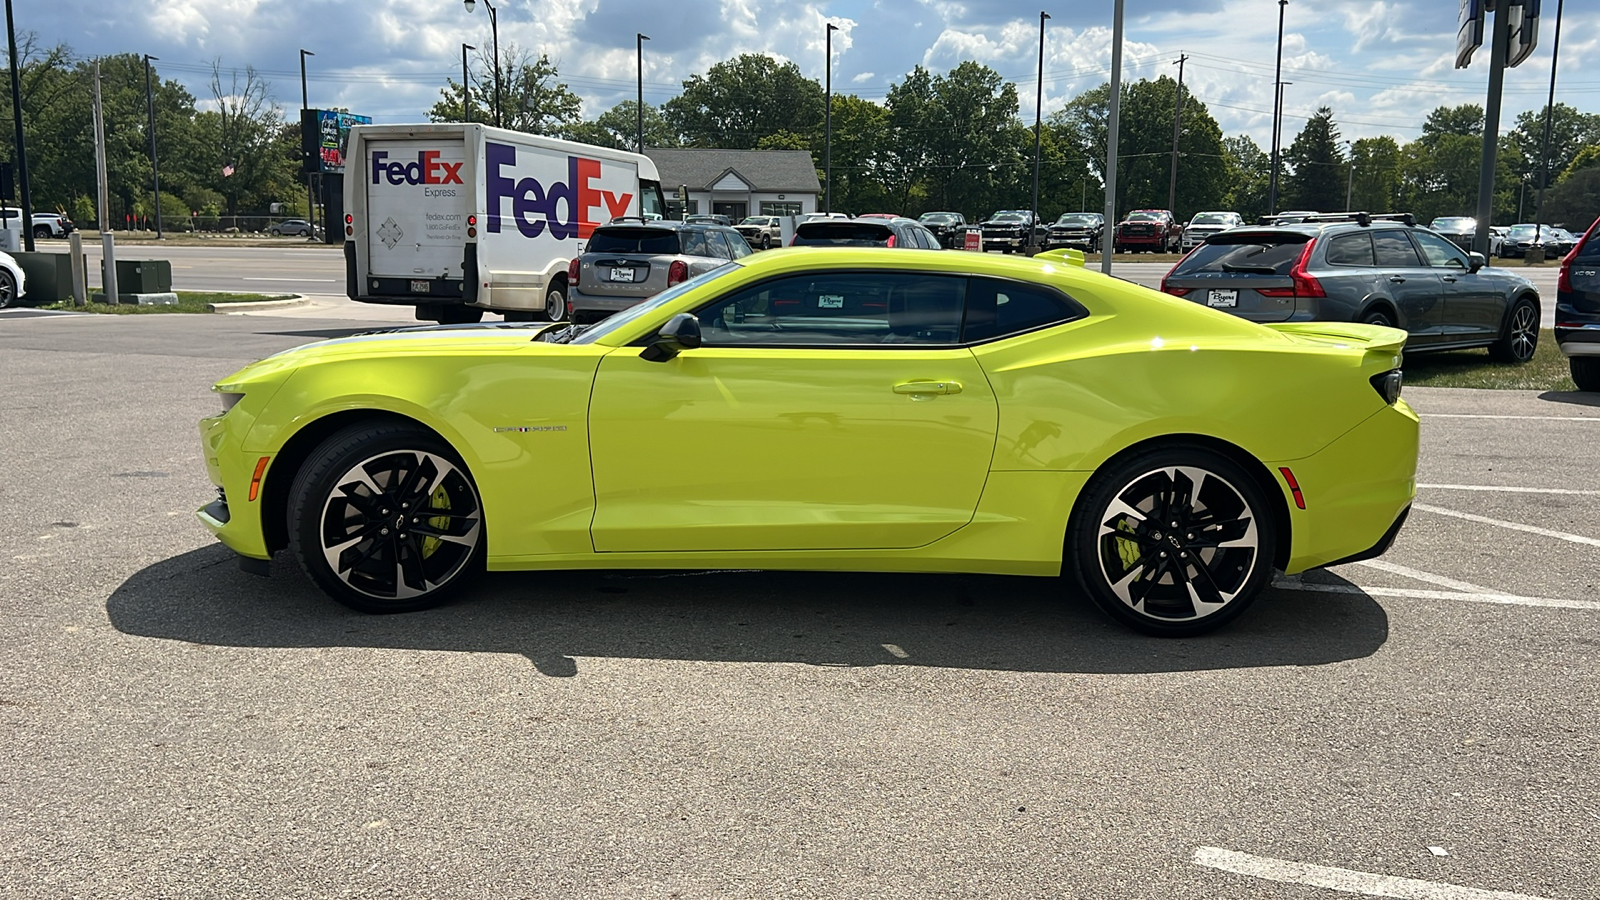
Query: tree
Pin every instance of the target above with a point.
(1316, 179)
(860, 147)
(243, 135)
(1570, 132)
(1376, 181)
(970, 150)
(1587, 158)
(740, 101)
(1465, 120)
(532, 98)
(1249, 173)
(1575, 201)
(617, 127)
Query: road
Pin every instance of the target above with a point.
(175, 728)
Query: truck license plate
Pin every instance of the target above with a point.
(1222, 298)
(421, 287)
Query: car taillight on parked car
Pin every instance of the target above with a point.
(677, 272)
(1305, 284)
(891, 241)
(573, 268)
(1177, 291)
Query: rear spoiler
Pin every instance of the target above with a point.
(1377, 340)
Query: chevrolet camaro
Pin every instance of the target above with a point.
(845, 409)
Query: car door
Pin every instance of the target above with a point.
(1415, 288)
(825, 410)
(1474, 305)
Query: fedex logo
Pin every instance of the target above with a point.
(428, 169)
(536, 207)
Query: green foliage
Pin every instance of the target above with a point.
(1587, 158)
(747, 98)
(532, 97)
(1465, 120)
(1376, 182)
(618, 126)
(1317, 168)
(1249, 173)
(860, 145)
(1575, 202)
(1570, 132)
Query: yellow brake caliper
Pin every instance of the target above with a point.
(439, 500)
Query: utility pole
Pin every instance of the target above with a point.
(1499, 44)
(466, 87)
(1350, 183)
(1038, 121)
(1549, 108)
(22, 147)
(1113, 122)
(155, 168)
(639, 106)
(827, 118)
(108, 241)
(311, 202)
(1277, 116)
(1177, 120)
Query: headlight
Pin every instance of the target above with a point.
(229, 400)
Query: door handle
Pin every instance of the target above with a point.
(1397, 279)
(1449, 279)
(928, 387)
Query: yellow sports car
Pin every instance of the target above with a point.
(837, 409)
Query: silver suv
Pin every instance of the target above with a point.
(1380, 270)
(629, 261)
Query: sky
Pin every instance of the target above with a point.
(1380, 64)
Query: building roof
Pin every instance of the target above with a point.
(763, 170)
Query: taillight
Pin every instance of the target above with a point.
(677, 272)
(572, 272)
(891, 241)
(1305, 284)
(349, 225)
(472, 226)
(1177, 291)
(1564, 280)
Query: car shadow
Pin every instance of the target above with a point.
(825, 619)
(1579, 398)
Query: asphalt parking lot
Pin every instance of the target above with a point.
(1424, 724)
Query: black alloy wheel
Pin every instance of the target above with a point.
(1173, 542)
(1520, 338)
(385, 518)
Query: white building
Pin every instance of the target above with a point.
(739, 183)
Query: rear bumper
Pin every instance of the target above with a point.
(1584, 341)
(578, 301)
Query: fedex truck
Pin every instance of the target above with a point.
(455, 219)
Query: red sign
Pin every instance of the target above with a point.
(974, 240)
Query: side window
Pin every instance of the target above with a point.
(695, 244)
(719, 245)
(1350, 250)
(1439, 252)
(1393, 248)
(843, 309)
(928, 240)
(738, 244)
(999, 308)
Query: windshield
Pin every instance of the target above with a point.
(1006, 217)
(754, 220)
(633, 240)
(938, 217)
(1075, 219)
(1455, 223)
(596, 332)
(1248, 254)
(1523, 231)
(1143, 217)
(1212, 219)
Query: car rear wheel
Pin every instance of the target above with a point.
(40, 232)
(385, 518)
(1378, 317)
(8, 289)
(1174, 541)
(1586, 372)
(1521, 335)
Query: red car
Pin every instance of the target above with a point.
(1155, 230)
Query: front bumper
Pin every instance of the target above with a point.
(1141, 240)
(1070, 239)
(1004, 240)
(234, 517)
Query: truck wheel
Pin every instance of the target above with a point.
(40, 232)
(555, 302)
(766, 242)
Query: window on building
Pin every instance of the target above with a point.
(779, 208)
(676, 211)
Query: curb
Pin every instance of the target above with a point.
(257, 305)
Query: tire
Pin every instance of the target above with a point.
(349, 529)
(1225, 541)
(275, 231)
(40, 232)
(1378, 317)
(456, 314)
(8, 289)
(1586, 372)
(766, 242)
(555, 302)
(1520, 336)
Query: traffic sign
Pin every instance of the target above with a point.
(1469, 30)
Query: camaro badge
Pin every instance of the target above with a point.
(527, 428)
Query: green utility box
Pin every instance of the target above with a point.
(48, 277)
(140, 276)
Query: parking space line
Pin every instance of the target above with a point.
(1429, 577)
(1489, 416)
(1348, 881)
(1499, 489)
(1514, 526)
(1288, 584)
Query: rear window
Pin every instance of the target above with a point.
(1246, 254)
(841, 234)
(1589, 250)
(633, 240)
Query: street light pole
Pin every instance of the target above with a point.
(1277, 115)
(1113, 125)
(1038, 121)
(466, 87)
(639, 106)
(22, 152)
(1350, 183)
(155, 168)
(1549, 108)
(311, 200)
(1177, 124)
(827, 119)
(494, 29)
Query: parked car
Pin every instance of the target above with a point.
(761, 232)
(1460, 230)
(45, 224)
(624, 263)
(1497, 238)
(13, 283)
(949, 227)
(807, 217)
(833, 410)
(1564, 241)
(1365, 270)
(902, 233)
(1011, 230)
(709, 219)
(1528, 236)
(1155, 230)
(1578, 310)
(1290, 217)
(1084, 230)
(292, 227)
(1205, 224)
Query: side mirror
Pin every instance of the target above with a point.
(682, 332)
(1478, 261)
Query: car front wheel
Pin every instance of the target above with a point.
(8, 289)
(1174, 541)
(766, 242)
(1521, 335)
(385, 518)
